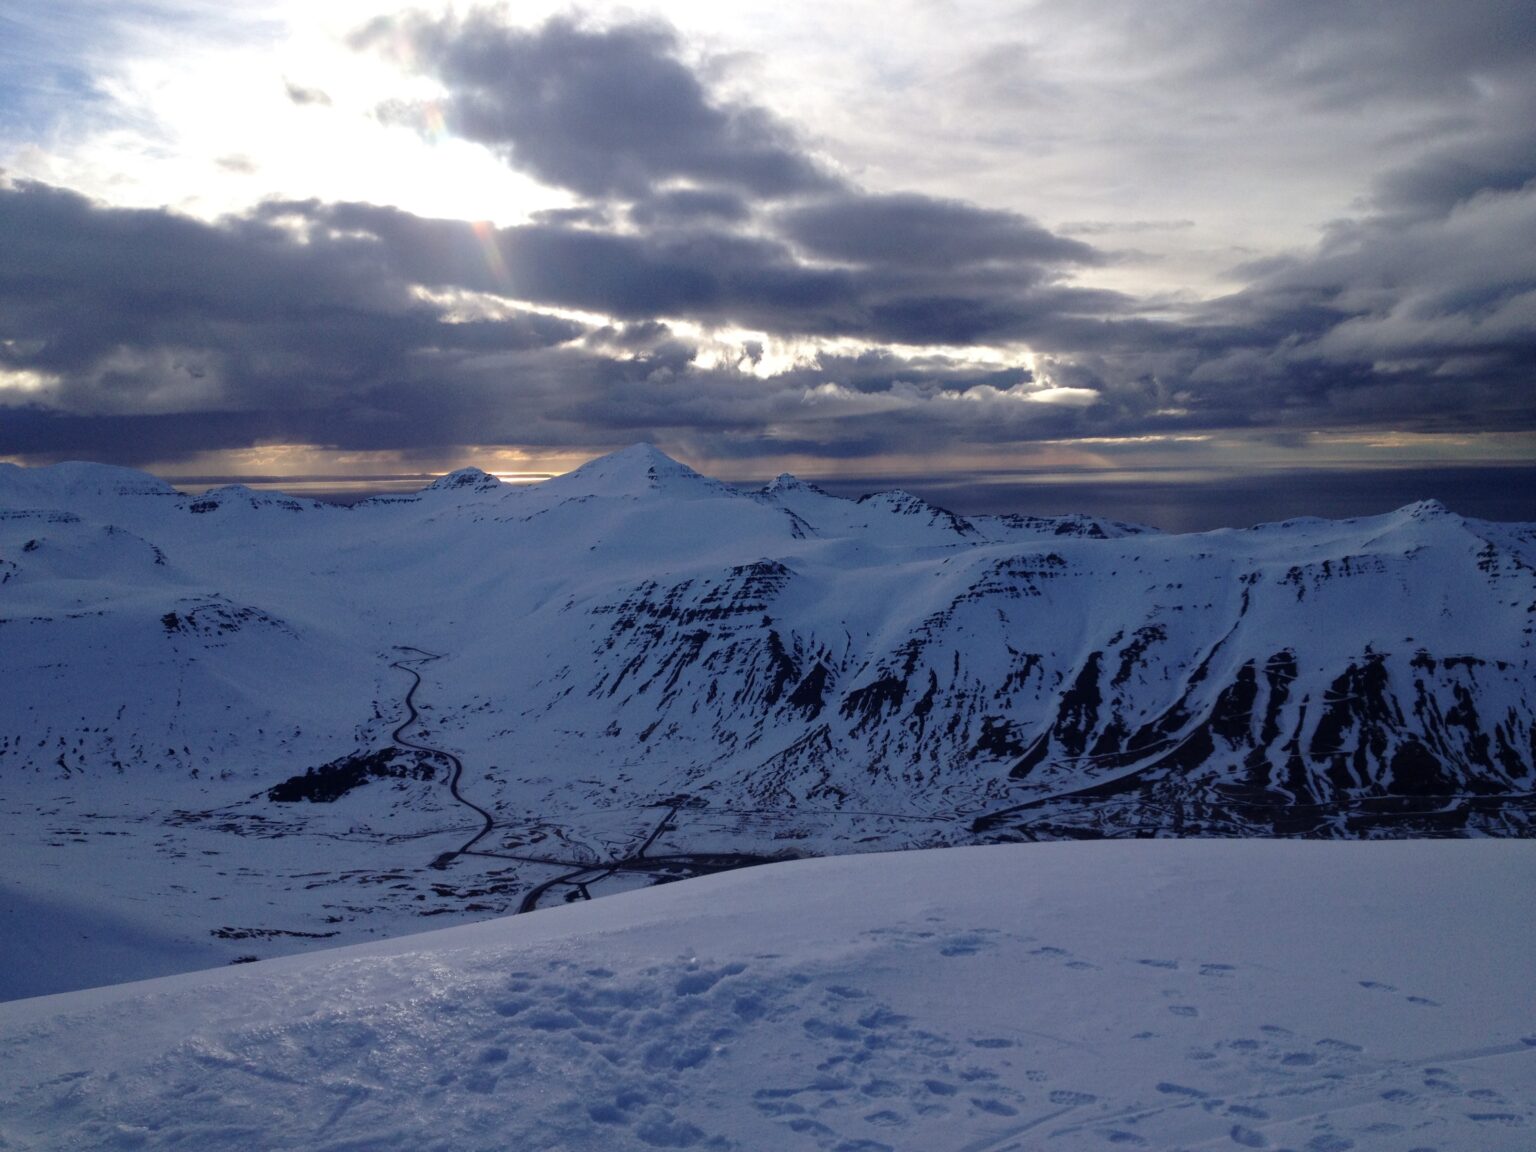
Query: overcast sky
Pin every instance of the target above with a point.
(917, 238)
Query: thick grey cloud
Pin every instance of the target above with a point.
(684, 205)
(1424, 322)
(143, 335)
(147, 335)
(702, 271)
(920, 231)
(602, 112)
(160, 321)
(1335, 53)
(761, 235)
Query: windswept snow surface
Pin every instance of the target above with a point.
(634, 673)
(1156, 994)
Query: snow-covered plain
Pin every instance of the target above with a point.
(1153, 994)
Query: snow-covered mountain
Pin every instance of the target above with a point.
(633, 672)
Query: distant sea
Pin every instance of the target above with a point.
(1175, 501)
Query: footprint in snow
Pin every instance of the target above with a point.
(1329, 1143)
(1120, 1136)
(1248, 1137)
(843, 992)
(1072, 1099)
(1168, 1089)
(1339, 1045)
(1247, 1112)
(993, 1107)
(967, 944)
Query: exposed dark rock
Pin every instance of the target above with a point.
(332, 781)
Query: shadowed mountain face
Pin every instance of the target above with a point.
(636, 630)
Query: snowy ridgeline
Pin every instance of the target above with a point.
(634, 673)
(1167, 995)
(654, 631)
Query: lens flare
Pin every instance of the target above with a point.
(485, 232)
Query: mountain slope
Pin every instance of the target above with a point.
(633, 673)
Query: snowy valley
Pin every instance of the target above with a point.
(240, 724)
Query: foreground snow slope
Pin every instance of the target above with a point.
(1162, 994)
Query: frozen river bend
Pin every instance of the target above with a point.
(1156, 994)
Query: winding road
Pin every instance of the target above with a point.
(602, 871)
(580, 875)
(457, 765)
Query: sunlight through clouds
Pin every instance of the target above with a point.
(974, 229)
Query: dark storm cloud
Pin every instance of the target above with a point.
(173, 326)
(685, 205)
(1424, 321)
(145, 335)
(602, 112)
(701, 271)
(920, 231)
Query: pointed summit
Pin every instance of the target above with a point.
(786, 482)
(1425, 510)
(898, 502)
(633, 471)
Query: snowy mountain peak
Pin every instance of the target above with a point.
(633, 471)
(784, 482)
(903, 503)
(1426, 510)
(1072, 524)
(473, 479)
(238, 495)
(76, 479)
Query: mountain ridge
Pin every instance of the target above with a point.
(784, 671)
